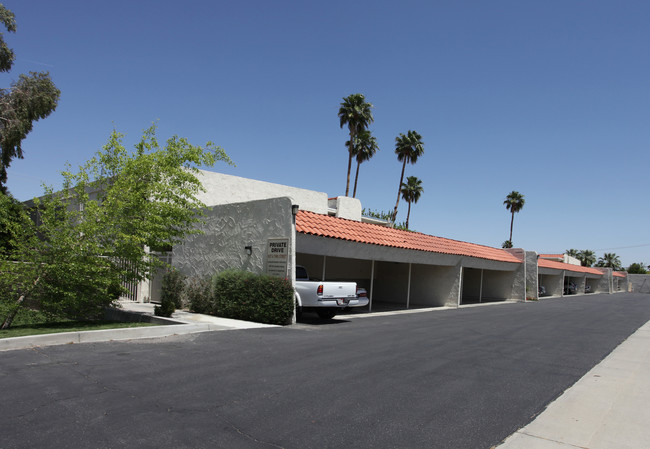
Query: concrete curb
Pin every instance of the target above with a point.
(66, 338)
(181, 323)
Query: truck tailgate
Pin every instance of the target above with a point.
(339, 290)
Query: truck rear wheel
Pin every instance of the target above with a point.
(327, 314)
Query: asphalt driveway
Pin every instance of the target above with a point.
(463, 378)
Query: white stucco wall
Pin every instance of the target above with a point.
(349, 208)
(228, 229)
(226, 189)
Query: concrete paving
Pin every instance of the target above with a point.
(607, 408)
(181, 323)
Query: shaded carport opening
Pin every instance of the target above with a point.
(389, 285)
(481, 285)
(573, 281)
(592, 284)
(552, 281)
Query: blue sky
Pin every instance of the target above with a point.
(551, 99)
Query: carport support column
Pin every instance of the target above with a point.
(372, 283)
(459, 299)
(408, 289)
(322, 278)
(480, 289)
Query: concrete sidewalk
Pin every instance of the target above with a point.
(607, 408)
(180, 323)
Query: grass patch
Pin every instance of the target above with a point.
(31, 322)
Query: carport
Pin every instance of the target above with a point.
(403, 269)
(555, 276)
(619, 281)
(485, 285)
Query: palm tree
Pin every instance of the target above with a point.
(411, 192)
(610, 260)
(356, 113)
(572, 252)
(587, 257)
(408, 148)
(514, 203)
(365, 147)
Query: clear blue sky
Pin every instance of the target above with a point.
(549, 98)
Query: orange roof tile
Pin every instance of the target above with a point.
(551, 256)
(545, 263)
(620, 274)
(354, 231)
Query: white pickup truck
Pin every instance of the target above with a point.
(325, 298)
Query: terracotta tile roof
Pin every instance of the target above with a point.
(620, 274)
(355, 231)
(545, 263)
(551, 256)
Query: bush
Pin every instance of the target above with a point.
(198, 294)
(173, 283)
(246, 296)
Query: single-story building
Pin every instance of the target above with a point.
(269, 228)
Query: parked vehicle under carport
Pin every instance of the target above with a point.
(325, 298)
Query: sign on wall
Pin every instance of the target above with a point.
(277, 257)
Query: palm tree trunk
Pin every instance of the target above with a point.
(347, 184)
(401, 180)
(408, 214)
(512, 220)
(356, 178)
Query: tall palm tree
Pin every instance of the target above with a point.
(411, 192)
(408, 148)
(610, 260)
(365, 147)
(514, 203)
(355, 112)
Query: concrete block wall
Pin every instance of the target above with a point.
(640, 283)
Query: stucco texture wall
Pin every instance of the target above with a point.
(228, 229)
(640, 282)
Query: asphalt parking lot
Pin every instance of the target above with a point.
(464, 378)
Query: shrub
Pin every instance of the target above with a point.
(170, 294)
(173, 284)
(247, 296)
(198, 294)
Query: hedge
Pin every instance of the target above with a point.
(247, 296)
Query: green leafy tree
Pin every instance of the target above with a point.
(411, 191)
(610, 260)
(32, 97)
(506, 244)
(10, 216)
(514, 203)
(76, 246)
(637, 268)
(365, 147)
(355, 112)
(385, 216)
(408, 148)
(572, 252)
